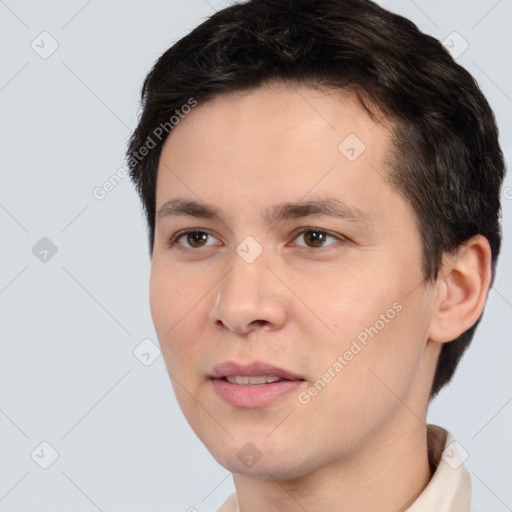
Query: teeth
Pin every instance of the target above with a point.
(263, 379)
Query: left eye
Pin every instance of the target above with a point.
(193, 239)
(316, 238)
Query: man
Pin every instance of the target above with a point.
(324, 229)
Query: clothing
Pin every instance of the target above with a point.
(449, 489)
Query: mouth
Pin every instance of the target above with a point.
(255, 385)
(253, 373)
(257, 380)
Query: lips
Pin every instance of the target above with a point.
(256, 369)
(255, 385)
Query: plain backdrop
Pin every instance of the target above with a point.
(83, 389)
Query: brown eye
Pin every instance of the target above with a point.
(196, 238)
(315, 238)
(193, 239)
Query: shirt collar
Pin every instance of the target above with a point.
(449, 489)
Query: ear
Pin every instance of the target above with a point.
(462, 287)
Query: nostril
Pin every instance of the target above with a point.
(258, 323)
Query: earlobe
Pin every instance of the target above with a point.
(463, 284)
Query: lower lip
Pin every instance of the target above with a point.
(255, 395)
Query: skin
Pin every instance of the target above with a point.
(360, 443)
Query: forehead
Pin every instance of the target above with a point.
(275, 144)
(283, 121)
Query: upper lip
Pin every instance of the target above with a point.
(232, 369)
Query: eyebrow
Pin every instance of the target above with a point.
(328, 207)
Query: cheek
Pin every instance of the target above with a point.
(177, 331)
(172, 296)
(372, 379)
(351, 302)
(163, 297)
(379, 332)
(390, 360)
(171, 305)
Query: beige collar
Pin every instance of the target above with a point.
(449, 489)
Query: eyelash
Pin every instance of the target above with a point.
(174, 240)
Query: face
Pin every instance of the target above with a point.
(279, 242)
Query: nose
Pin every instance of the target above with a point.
(250, 297)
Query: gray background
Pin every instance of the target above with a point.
(71, 374)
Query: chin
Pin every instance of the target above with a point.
(258, 461)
